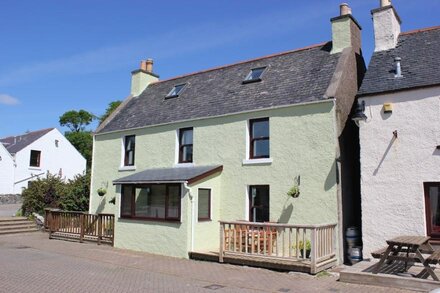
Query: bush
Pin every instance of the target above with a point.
(53, 192)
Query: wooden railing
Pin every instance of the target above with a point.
(312, 244)
(79, 225)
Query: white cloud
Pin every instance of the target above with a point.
(8, 100)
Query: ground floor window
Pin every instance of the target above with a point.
(152, 201)
(204, 204)
(259, 203)
(432, 206)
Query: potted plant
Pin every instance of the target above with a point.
(308, 247)
(101, 191)
(293, 191)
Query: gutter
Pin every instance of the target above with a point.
(193, 212)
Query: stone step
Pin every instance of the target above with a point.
(12, 219)
(12, 223)
(18, 226)
(18, 231)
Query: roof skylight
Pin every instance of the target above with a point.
(175, 91)
(254, 75)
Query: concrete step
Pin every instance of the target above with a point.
(13, 223)
(12, 219)
(18, 231)
(25, 225)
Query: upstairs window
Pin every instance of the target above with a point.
(259, 138)
(129, 148)
(35, 158)
(186, 145)
(254, 75)
(175, 91)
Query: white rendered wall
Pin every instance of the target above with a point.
(6, 171)
(53, 158)
(393, 170)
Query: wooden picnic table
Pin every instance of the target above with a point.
(408, 249)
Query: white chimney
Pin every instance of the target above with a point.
(141, 78)
(386, 24)
(346, 32)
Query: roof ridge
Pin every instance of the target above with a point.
(31, 132)
(420, 30)
(242, 62)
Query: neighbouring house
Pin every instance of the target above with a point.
(32, 155)
(7, 166)
(227, 144)
(399, 101)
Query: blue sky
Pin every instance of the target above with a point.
(69, 55)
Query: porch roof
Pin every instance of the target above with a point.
(170, 175)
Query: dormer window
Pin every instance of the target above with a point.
(254, 75)
(175, 91)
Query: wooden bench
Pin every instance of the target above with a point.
(434, 258)
(378, 253)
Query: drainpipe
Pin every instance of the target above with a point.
(191, 198)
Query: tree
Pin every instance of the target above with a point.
(76, 121)
(110, 109)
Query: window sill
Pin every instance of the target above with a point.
(127, 168)
(35, 168)
(184, 165)
(204, 220)
(264, 161)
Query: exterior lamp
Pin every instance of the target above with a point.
(359, 113)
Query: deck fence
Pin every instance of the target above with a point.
(312, 244)
(82, 226)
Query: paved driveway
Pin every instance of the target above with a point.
(33, 263)
(9, 210)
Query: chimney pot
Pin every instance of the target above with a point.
(384, 3)
(344, 9)
(149, 64)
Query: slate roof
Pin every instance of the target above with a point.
(178, 174)
(420, 64)
(291, 77)
(15, 144)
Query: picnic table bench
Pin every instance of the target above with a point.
(408, 249)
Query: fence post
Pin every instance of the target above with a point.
(222, 238)
(313, 253)
(113, 230)
(81, 232)
(99, 229)
(50, 223)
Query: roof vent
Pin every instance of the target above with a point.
(398, 67)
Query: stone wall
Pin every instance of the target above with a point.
(10, 198)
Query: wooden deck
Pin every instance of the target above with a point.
(389, 276)
(263, 262)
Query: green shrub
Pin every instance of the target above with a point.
(53, 192)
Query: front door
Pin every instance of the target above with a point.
(432, 206)
(259, 203)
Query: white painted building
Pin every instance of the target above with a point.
(7, 166)
(33, 155)
(400, 138)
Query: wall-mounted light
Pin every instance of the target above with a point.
(359, 113)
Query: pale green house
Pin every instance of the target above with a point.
(227, 144)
